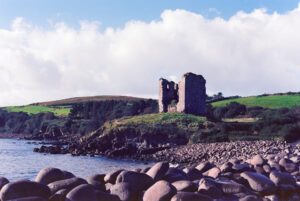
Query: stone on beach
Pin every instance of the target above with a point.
(66, 184)
(112, 176)
(160, 191)
(158, 170)
(83, 192)
(124, 191)
(34, 198)
(3, 181)
(140, 180)
(259, 183)
(49, 175)
(188, 196)
(24, 188)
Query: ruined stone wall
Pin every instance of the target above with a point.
(167, 92)
(190, 93)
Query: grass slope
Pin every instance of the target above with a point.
(30, 109)
(272, 101)
(155, 127)
(87, 99)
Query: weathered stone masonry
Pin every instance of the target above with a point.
(188, 96)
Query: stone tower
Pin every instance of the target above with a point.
(188, 96)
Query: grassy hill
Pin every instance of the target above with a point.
(155, 128)
(69, 101)
(63, 107)
(271, 101)
(32, 109)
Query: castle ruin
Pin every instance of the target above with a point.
(188, 96)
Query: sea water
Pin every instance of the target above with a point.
(18, 161)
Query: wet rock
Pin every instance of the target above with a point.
(68, 175)
(285, 192)
(185, 186)
(97, 181)
(108, 186)
(204, 166)
(188, 196)
(272, 197)
(83, 192)
(279, 177)
(124, 191)
(145, 170)
(208, 187)
(288, 165)
(213, 172)
(102, 196)
(160, 191)
(192, 174)
(34, 198)
(250, 198)
(140, 180)
(257, 160)
(24, 188)
(226, 167)
(238, 168)
(229, 187)
(112, 176)
(66, 184)
(3, 181)
(175, 174)
(49, 175)
(267, 168)
(59, 195)
(259, 183)
(158, 170)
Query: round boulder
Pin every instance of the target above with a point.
(66, 184)
(208, 187)
(24, 188)
(49, 175)
(185, 186)
(59, 195)
(257, 160)
(30, 199)
(250, 198)
(279, 177)
(175, 174)
(97, 181)
(83, 192)
(160, 191)
(213, 172)
(259, 183)
(158, 170)
(140, 181)
(112, 176)
(124, 191)
(3, 181)
(188, 196)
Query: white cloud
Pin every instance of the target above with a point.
(251, 53)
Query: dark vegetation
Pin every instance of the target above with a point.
(83, 118)
(252, 123)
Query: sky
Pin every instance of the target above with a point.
(54, 49)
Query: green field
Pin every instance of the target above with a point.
(32, 109)
(272, 101)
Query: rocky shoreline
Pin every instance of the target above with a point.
(183, 155)
(266, 177)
